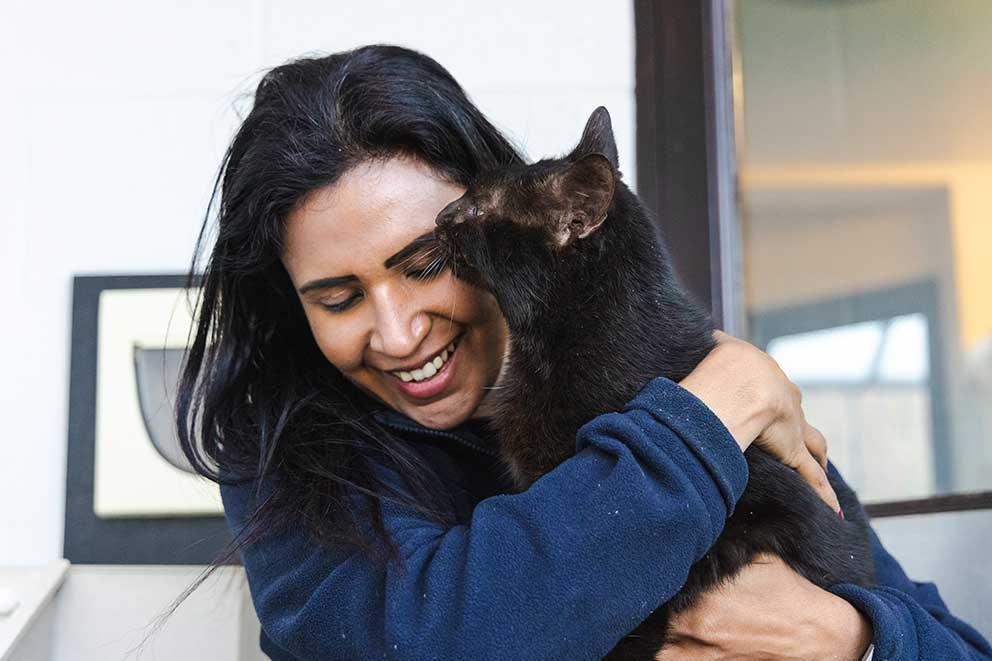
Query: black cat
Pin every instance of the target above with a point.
(595, 311)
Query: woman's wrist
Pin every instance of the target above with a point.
(865, 634)
(847, 630)
(748, 391)
(745, 409)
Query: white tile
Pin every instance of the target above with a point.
(549, 123)
(122, 186)
(512, 43)
(101, 46)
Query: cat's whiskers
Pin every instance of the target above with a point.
(451, 315)
(430, 250)
(433, 268)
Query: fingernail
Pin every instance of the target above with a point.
(840, 512)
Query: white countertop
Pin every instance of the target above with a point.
(33, 588)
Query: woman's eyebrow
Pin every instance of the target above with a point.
(327, 283)
(422, 243)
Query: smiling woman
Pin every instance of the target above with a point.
(314, 292)
(390, 323)
(337, 377)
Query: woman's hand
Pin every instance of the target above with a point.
(758, 403)
(768, 611)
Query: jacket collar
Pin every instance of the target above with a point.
(471, 434)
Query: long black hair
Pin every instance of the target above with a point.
(256, 397)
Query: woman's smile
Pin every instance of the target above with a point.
(431, 377)
(362, 257)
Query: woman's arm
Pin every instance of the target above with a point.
(565, 569)
(770, 610)
(910, 619)
(758, 403)
(562, 570)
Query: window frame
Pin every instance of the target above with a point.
(687, 168)
(915, 297)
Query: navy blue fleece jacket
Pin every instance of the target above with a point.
(561, 571)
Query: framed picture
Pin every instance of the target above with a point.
(131, 496)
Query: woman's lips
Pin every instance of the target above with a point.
(433, 386)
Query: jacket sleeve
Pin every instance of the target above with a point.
(561, 571)
(910, 619)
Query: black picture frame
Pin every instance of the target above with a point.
(89, 539)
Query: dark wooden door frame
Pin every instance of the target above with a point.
(686, 160)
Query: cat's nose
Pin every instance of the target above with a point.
(451, 215)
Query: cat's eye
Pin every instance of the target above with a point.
(472, 212)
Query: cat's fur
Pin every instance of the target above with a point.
(595, 311)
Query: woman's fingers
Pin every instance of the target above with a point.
(813, 473)
(816, 444)
(758, 403)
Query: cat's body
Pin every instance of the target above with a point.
(595, 312)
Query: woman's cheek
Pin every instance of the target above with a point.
(339, 344)
(474, 302)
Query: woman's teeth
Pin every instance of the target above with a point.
(430, 368)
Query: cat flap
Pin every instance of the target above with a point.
(597, 138)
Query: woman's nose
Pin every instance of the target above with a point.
(400, 326)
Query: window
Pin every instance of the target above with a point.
(865, 229)
(870, 370)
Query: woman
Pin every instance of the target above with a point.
(337, 383)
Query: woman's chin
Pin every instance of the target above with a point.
(445, 413)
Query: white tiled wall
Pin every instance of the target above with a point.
(113, 119)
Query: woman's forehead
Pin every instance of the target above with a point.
(374, 210)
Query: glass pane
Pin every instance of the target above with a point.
(905, 356)
(844, 353)
(866, 228)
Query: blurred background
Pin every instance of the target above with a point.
(821, 168)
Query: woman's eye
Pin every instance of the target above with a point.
(342, 305)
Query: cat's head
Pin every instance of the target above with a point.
(514, 229)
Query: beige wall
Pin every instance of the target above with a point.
(878, 94)
(905, 241)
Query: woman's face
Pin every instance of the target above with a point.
(359, 273)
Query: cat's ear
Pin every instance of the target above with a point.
(597, 138)
(587, 188)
